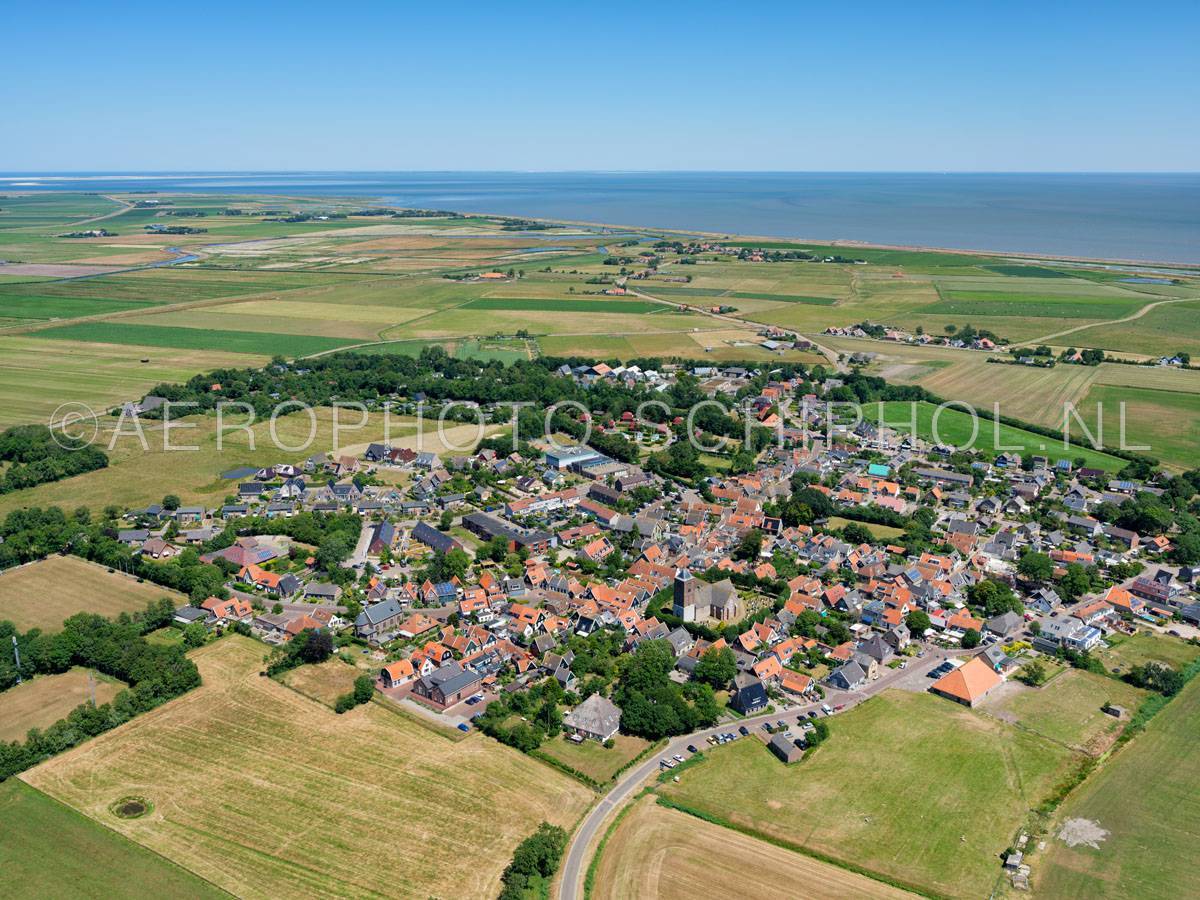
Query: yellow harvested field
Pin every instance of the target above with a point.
(324, 682)
(36, 376)
(44, 593)
(42, 701)
(663, 853)
(1161, 378)
(266, 793)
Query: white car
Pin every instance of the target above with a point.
(678, 757)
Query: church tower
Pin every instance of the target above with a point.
(686, 592)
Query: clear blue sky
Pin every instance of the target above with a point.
(957, 86)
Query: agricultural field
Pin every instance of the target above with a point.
(1067, 708)
(958, 428)
(1165, 421)
(1124, 653)
(593, 759)
(138, 475)
(584, 305)
(978, 304)
(1167, 328)
(259, 288)
(37, 376)
(290, 345)
(914, 788)
(1160, 403)
(44, 593)
(663, 853)
(50, 850)
(42, 701)
(1142, 808)
(242, 755)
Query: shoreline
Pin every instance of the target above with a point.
(1190, 268)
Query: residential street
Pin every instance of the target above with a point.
(579, 851)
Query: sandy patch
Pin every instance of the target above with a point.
(1082, 832)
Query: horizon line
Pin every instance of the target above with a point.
(133, 173)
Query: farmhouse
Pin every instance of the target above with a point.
(596, 718)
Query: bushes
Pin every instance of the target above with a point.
(534, 861)
(313, 645)
(1156, 677)
(364, 689)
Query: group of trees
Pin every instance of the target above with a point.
(36, 458)
(364, 689)
(534, 863)
(155, 673)
(993, 598)
(523, 719)
(1155, 676)
(313, 645)
(652, 705)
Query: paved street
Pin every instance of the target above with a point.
(578, 853)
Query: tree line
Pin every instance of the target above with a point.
(116, 647)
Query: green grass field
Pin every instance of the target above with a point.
(594, 759)
(582, 305)
(885, 532)
(195, 338)
(1004, 303)
(1026, 271)
(1124, 653)
(1067, 709)
(784, 298)
(49, 850)
(1168, 422)
(909, 786)
(956, 427)
(1146, 799)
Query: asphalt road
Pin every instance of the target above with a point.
(631, 782)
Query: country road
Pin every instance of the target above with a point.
(736, 321)
(1045, 339)
(125, 207)
(593, 825)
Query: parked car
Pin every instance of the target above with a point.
(692, 748)
(744, 731)
(464, 727)
(678, 757)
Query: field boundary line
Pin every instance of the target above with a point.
(73, 811)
